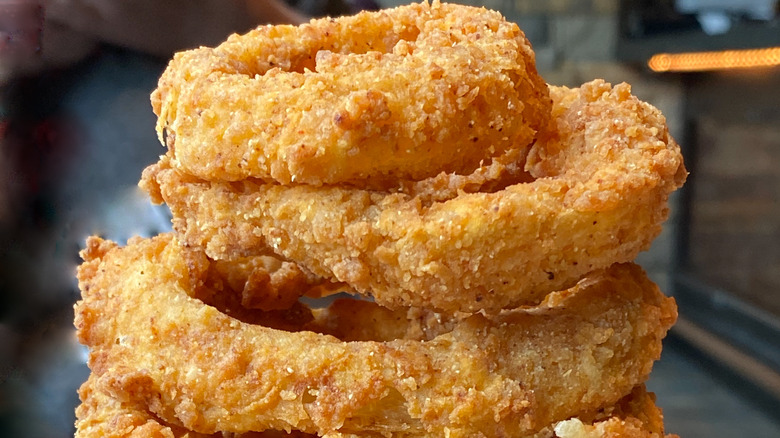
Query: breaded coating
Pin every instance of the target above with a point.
(369, 99)
(102, 416)
(156, 346)
(602, 177)
(265, 282)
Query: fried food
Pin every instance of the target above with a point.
(602, 174)
(370, 99)
(635, 416)
(414, 158)
(102, 416)
(189, 364)
(265, 282)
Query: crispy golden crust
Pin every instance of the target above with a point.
(510, 374)
(603, 174)
(634, 416)
(265, 282)
(403, 93)
(102, 416)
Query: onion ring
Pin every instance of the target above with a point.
(369, 99)
(504, 375)
(102, 416)
(603, 174)
(266, 283)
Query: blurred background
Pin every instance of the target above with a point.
(76, 130)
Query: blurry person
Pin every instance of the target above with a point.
(40, 34)
(45, 34)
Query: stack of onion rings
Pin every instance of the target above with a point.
(413, 156)
(602, 180)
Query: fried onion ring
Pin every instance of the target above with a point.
(265, 282)
(102, 416)
(370, 99)
(193, 366)
(602, 174)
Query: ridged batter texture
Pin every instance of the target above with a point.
(595, 193)
(398, 94)
(218, 368)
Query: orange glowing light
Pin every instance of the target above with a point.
(705, 61)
